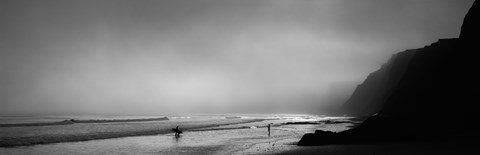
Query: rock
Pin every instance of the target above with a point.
(318, 138)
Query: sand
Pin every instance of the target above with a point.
(219, 141)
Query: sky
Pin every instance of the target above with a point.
(203, 56)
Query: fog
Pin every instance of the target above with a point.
(203, 56)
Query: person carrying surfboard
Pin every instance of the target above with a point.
(177, 131)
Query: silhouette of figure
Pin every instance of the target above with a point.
(268, 129)
(177, 131)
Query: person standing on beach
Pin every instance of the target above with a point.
(268, 129)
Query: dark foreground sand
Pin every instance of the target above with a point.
(420, 148)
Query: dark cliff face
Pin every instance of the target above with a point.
(438, 79)
(410, 77)
(418, 87)
(440, 82)
(368, 97)
(470, 28)
(426, 93)
(427, 84)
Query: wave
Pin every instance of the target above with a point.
(73, 121)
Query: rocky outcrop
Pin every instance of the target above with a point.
(428, 94)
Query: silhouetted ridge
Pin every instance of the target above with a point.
(425, 81)
(470, 27)
(423, 94)
(368, 97)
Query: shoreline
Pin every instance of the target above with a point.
(145, 129)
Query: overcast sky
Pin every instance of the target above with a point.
(202, 56)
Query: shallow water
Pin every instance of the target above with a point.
(228, 139)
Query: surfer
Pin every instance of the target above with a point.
(177, 131)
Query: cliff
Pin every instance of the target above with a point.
(423, 94)
(368, 97)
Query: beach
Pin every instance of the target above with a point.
(246, 134)
(206, 134)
